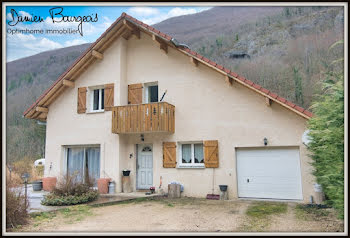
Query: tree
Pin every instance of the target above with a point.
(299, 97)
(286, 12)
(327, 140)
(219, 42)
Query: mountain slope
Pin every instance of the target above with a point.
(283, 49)
(26, 79)
(213, 22)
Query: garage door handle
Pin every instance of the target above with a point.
(247, 180)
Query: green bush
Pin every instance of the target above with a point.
(75, 189)
(58, 200)
(70, 192)
(327, 142)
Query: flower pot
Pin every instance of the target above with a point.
(126, 172)
(223, 188)
(49, 183)
(37, 185)
(102, 185)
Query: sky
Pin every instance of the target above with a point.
(20, 44)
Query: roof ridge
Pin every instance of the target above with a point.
(191, 52)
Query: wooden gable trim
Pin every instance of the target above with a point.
(194, 61)
(114, 31)
(76, 68)
(97, 54)
(228, 80)
(246, 85)
(68, 83)
(132, 30)
(41, 109)
(128, 25)
(162, 44)
(42, 116)
(268, 101)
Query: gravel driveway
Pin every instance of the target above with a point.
(185, 214)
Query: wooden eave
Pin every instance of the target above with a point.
(121, 27)
(126, 27)
(72, 73)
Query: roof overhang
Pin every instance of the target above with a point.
(126, 26)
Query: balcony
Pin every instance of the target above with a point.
(143, 118)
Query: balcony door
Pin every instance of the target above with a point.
(144, 167)
(150, 92)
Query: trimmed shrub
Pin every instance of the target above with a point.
(70, 192)
(57, 200)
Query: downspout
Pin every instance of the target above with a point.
(213, 180)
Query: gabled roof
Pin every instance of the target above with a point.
(123, 26)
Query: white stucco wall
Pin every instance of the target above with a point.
(66, 127)
(206, 108)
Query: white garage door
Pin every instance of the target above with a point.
(269, 173)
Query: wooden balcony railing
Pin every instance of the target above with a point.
(142, 118)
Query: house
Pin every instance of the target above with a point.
(139, 100)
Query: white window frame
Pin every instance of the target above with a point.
(84, 147)
(91, 96)
(192, 164)
(146, 91)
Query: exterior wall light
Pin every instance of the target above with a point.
(265, 141)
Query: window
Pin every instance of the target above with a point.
(151, 92)
(97, 99)
(191, 155)
(84, 163)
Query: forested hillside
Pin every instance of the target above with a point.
(26, 79)
(284, 49)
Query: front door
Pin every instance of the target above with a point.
(144, 167)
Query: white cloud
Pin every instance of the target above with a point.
(174, 12)
(25, 14)
(87, 27)
(142, 11)
(177, 11)
(23, 45)
(74, 42)
(20, 13)
(23, 37)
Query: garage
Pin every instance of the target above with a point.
(269, 173)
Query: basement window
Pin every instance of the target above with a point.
(97, 95)
(191, 155)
